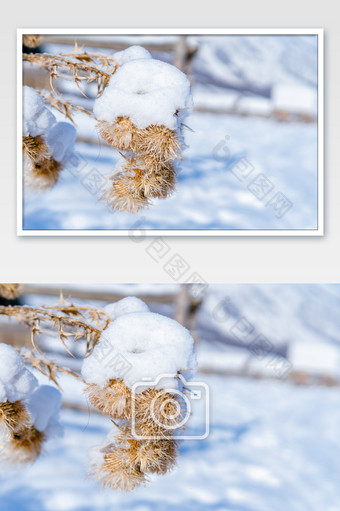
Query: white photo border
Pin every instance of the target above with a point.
(319, 231)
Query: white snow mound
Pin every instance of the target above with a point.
(60, 139)
(135, 52)
(37, 118)
(141, 347)
(44, 406)
(149, 92)
(125, 306)
(16, 381)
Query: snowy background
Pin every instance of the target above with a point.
(254, 123)
(275, 415)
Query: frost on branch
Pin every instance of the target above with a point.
(132, 376)
(47, 144)
(28, 412)
(141, 112)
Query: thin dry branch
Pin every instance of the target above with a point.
(68, 321)
(63, 106)
(46, 367)
(83, 66)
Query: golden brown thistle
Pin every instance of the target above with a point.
(124, 196)
(158, 182)
(151, 456)
(122, 134)
(24, 445)
(31, 41)
(42, 171)
(34, 148)
(149, 171)
(118, 473)
(13, 416)
(10, 291)
(157, 413)
(154, 414)
(113, 400)
(43, 174)
(159, 141)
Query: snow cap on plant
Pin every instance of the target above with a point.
(125, 306)
(25, 443)
(37, 118)
(28, 412)
(47, 145)
(138, 347)
(141, 111)
(150, 344)
(16, 381)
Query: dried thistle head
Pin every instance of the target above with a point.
(113, 400)
(160, 142)
(34, 148)
(157, 413)
(31, 41)
(124, 196)
(10, 291)
(13, 416)
(118, 473)
(43, 174)
(151, 456)
(159, 182)
(120, 134)
(25, 445)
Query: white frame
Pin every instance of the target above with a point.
(172, 232)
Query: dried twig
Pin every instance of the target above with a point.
(83, 66)
(68, 320)
(63, 106)
(46, 367)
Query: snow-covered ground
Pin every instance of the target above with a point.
(231, 176)
(239, 172)
(271, 446)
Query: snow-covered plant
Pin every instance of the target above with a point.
(140, 108)
(28, 412)
(141, 113)
(47, 144)
(134, 372)
(144, 398)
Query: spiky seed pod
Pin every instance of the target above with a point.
(118, 473)
(124, 196)
(148, 176)
(157, 413)
(31, 41)
(113, 400)
(120, 134)
(155, 456)
(160, 142)
(158, 183)
(43, 174)
(10, 291)
(149, 171)
(25, 445)
(34, 148)
(14, 416)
